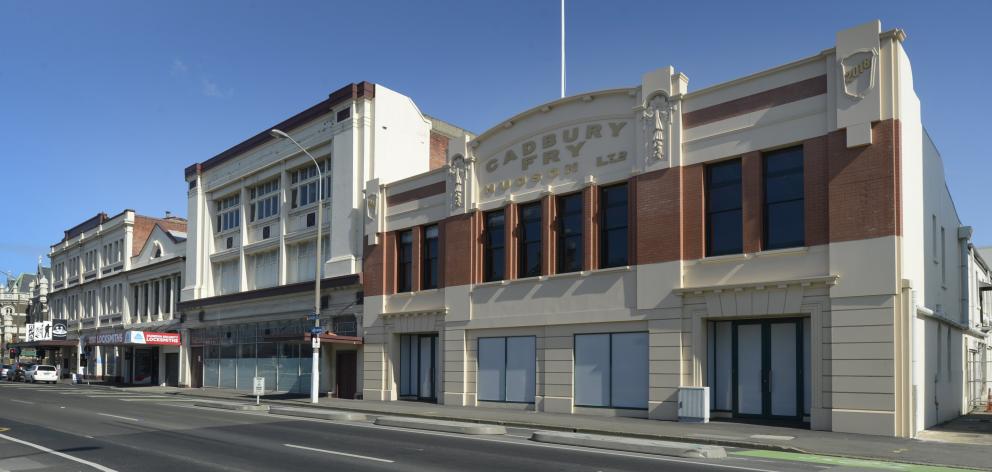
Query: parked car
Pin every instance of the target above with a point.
(41, 373)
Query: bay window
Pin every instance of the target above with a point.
(228, 213)
(264, 200)
(303, 183)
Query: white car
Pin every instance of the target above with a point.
(41, 373)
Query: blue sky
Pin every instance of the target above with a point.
(103, 103)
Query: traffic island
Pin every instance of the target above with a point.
(332, 415)
(644, 446)
(233, 406)
(440, 425)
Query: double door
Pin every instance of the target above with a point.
(418, 366)
(768, 370)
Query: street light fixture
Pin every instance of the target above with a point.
(315, 368)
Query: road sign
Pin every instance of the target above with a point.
(312, 317)
(315, 342)
(259, 386)
(316, 330)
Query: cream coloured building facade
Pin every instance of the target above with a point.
(250, 267)
(785, 239)
(112, 278)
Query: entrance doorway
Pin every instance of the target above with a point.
(418, 366)
(172, 369)
(145, 367)
(759, 369)
(346, 368)
(196, 367)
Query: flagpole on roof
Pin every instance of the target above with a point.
(562, 48)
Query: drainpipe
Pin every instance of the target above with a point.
(964, 238)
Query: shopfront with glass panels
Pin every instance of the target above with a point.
(233, 355)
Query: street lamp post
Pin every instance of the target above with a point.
(315, 367)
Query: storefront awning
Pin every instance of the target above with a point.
(134, 338)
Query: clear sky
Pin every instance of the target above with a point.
(104, 103)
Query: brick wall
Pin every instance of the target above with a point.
(863, 185)
(438, 150)
(752, 200)
(657, 225)
(815, 189)
(693, 212)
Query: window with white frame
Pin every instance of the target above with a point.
(304, 260)
(59, 271)
(265, 270)
(227, 277)
(264, 200)
(74, 266)
(228, 213)
(303, 181)
(90, 260)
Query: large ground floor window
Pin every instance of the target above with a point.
(280, 363)
(418, 366)
(507, 369)
(611, 370)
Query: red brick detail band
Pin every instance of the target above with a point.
(769, 98)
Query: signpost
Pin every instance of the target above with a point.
(259, 388)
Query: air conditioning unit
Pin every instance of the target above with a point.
(694, 404)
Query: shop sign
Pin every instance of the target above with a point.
(106, 338)
(46, 330)
(29, 352)
(60, 328)
(149, 337)
(566, 154)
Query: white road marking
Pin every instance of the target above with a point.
(57, 453)
(339, 453)
(157, 399)
(119, 395)
(512, 442)
(22, 401)
(120, 417)
(773, 437)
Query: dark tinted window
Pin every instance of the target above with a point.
(784, 203)
(724, 220)
(429, 261)
(494, 259)
(530, 240)
(613, 208)
(570, 233)
(404, 261)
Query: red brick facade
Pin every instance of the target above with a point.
(143, 226)
(849, 194)
(438, 151)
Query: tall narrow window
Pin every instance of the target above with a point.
(404, 261)
(784, 203)
(613, 228)
(428, 262)
(529, 241)
(724, 219)
(228, 213)
(494, 260)
(264, 200)
(570, 233)
(933, 236)
(943, 257)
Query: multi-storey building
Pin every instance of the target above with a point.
(116, 283)
(785, 239)
(251, 256)
(15, 303)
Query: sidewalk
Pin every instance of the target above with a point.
(718, 432)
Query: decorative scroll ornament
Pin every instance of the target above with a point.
(456, 172)
(656, 119)
(372, 206)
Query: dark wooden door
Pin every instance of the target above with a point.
(196, 367)
(172, 369)
(346, 382)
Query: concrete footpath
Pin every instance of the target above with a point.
(732, 434)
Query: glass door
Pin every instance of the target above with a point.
(768, 369)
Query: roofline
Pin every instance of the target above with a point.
(895, 33)
(351, 91)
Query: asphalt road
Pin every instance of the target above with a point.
(67, 427)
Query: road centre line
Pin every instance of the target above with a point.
(57, 453)
(120, 417)
(22, 401)
(338, 453)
